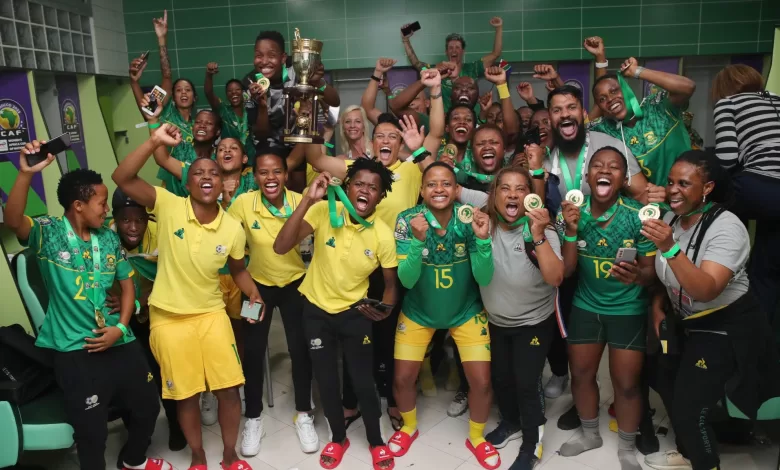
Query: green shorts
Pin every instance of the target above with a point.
(619, 331)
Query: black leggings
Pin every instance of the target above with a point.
(517, 361)
(384, 347)
(324, 332)
(119, 376)
(290, 303)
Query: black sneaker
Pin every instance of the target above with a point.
(525, 461)
(504, 432)
(646, 440)
(569, 420)
(176, 439)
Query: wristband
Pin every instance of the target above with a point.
(503, 91)
(123, 328)
(537, 172)
(602, 65)
(540, 242)
(672, 252)
(569, 239)
(328, 144)
(323, 87)
(638, 72)
(433, 97)
(137, 307)
(155, 125)
(373, 77)
(423, 69)
(419, 155)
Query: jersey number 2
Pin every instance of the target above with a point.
(443, 278)
(80, 284)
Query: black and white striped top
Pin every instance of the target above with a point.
(747, 132)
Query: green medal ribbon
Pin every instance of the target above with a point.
(93, 289)
(587, 217)
(634, 110)
(431, 219)
(274, 211)
(521, 221)
(337, 221)
(700, 210)
(577, 182)
(477, 176)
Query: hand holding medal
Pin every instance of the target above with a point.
(532, 202)
(576, 197)
(650, 211)
(658, 232)
(480, 223)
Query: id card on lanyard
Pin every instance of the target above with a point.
(93, 289)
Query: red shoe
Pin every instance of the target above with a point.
(335, 451)
(381, 454)
(482, 452)
(404, 441)
(612, 410)
(237, 465)
(159, 464)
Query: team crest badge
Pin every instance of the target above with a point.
(460, 250)
(628, 243)
(651, 138)
(110, 261)
(369, 254)
(221, 250)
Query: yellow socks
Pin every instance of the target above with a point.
(410, 421)
(476, 433)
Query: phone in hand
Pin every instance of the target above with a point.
(145, 56)
(533, 136)
(627, 255)
(54, 146)
(406, 31)
(156, 99)
(367, 301)
(253, 312)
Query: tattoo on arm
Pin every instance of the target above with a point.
(165, 63)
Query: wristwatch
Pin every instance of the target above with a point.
(540, 242)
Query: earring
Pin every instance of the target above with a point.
(704, 199)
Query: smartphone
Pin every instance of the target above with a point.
(156, 99)
(411, 28)
(54, 146)
(145, 56)
(533, 136)
(366, 301)
(253, 312)
(625, 254)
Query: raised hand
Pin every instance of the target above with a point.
(486, 100)
(545, 72)
(319, 187)
(430, 77)
(525, 90)
(445, 68)
(571, 215)
(540, 219)
(383, 64)
(30, 149)
(594, 45)
(411, 33)
(550, 85)
(655, 194)
(419, 227)
(167, 134)
(413, 137)
(137, 67)
(481, 224)
(495, 74)
(496, 22)
(535, 155)
(212, 68)
(258, 93)
(628, 69)
(161, 25)
(157, 111)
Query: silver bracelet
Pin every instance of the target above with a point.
(638, 71)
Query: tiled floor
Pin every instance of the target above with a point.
(440, 446)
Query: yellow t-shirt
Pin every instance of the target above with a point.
(143, 258)
(344, 257)
(261, 228)
(191, 255)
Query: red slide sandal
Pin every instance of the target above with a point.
(482, 452)
(404, 441)
(335, 451)
(380, 454)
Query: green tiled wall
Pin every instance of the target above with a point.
(356, 32)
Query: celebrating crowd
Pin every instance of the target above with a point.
(530, 235)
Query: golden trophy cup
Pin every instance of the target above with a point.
(302, 105)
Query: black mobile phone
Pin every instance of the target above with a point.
(406, 31)
(54, 146)
(372, 302)
(533, 136)
(145, 56)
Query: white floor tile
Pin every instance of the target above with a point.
(281, 450)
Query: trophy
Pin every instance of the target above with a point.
(302, 106)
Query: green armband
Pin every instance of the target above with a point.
(137, 307)
(328, 144)
(537, 172)
(569, 239)
(123, 328)
(155, 125)
(322, 88)
(672, 252)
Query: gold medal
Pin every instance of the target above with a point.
(466, 214)
(264, 83)
(100, 319)
(650, 211)
(575, 197)
(532, 202)
(335, 181)
(451, 150)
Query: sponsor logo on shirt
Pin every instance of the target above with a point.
(441, 247)
(401, 327)
(582, 245)
(633, 141)
(518, 247)
(221, 250)
(149, 377)
(331, 242)
(316, 343)
(425, 252)
(602, 242)
(64, 256)
(369, 254)
(169, 384)
(396, 177)
(534, 341)
(256, 225)
(44, 221)
(701, 364)
(91, 402)
(460, 250)
(366, 340)
(179, 233)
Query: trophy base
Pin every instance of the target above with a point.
(300, 89)
(303, 139)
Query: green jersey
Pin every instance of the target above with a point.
(475, 70)
(656, 140)
(443, 273)
(237, 127)
(467, 164)
(597, 290)
(186, 154)
(70, 316)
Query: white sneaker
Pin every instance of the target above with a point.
(253, 433)
(307, 436)
(669, 460)
(208, 408)
(459, 404)
(555, 386)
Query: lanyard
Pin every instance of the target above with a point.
(629, 98)
(521, 221)
(700, 210)
(477, 176)
(274, 211)
(587, 217)
(337, 221)
(577, 183)
(431, 219)
(94, 289)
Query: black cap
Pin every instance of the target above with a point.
(122, 200)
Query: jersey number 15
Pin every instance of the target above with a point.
(443, 278)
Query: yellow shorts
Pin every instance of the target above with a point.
(231, 295)
(472, 339)
(195, 352)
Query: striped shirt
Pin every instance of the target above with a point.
(747, 132)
